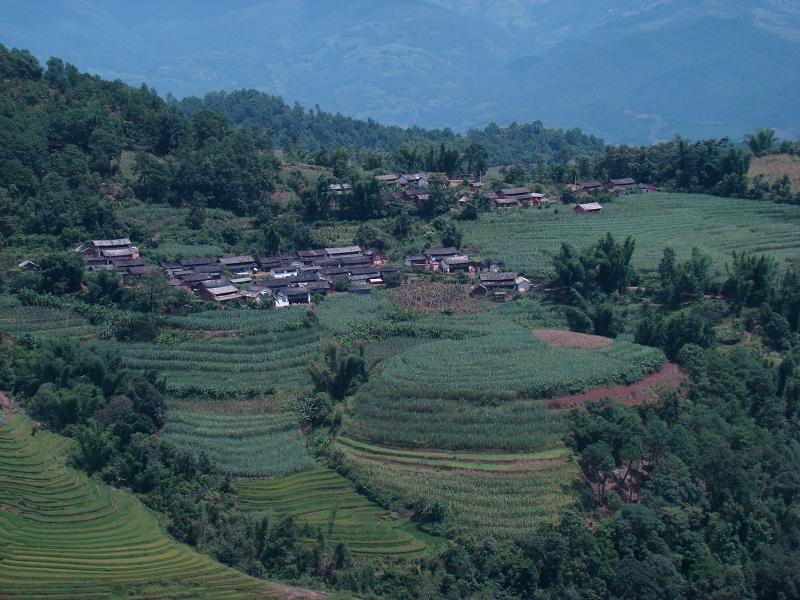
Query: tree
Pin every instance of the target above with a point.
(761, 142)
(342, 371)
(476, 157)
(614, 270)
(597, 463)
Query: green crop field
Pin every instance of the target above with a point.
(258, 363)
(513, 364)
(41, 322)
(241, 320)
(528, 239)
(392, 418)
(502, 495)
(255, 445)
(65, 536)
(315, 497)
(343, 313)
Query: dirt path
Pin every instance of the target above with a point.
(670, 377)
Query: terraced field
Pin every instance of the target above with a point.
(64, 536)
(390, 417)
(510, 365)
(247, 363)
(311, 498)
(343, 313)
(501, 495)
(41, 322)
(254, 445)
(241, 320)
(528, 239)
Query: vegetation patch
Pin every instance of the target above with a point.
(256, 363)
(66, 536)
(773, 167)
(255, 445)
(435, 298)
(321, 497)
(527, 240)
(504, 496)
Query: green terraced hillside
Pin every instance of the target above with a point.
(501, 495)
(64, 536)
(40, 322)
(235, 363)
(311, 497)
(527, 239)
(255, 445)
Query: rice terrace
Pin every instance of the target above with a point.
(254, 350)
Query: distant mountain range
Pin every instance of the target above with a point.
(627, 71)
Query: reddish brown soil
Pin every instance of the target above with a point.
(668, 378)
(558, 338)
(6, 403)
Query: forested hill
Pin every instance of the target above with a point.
(310, 130)
(68, 140)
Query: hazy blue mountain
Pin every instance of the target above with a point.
(624, 70)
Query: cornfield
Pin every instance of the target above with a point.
(527, 240)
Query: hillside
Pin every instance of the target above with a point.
(529, 239)
(63, 535)
(456, 64)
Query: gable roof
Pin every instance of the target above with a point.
(591, 206)
(111, 243)
(449, 251)
(516, 191)
(488, 276)
(624, 181)
(592, 183)
(222, 290)
(236, 260)
(343, 250)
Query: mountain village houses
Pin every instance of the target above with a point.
(296, 278)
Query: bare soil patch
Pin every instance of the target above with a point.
(435, 298)
(646, 390)
(6, 403)
(558, 338)
(775, 166)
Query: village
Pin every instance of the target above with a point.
(297, 278)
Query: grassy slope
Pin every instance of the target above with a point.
(62, 535)
(527, 239)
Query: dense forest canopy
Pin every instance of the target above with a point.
(310, 130)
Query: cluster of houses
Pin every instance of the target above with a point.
(626, 185)
(289, 279)
(492, 280)
(285, 279)
(518, 196)
(117, 255)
